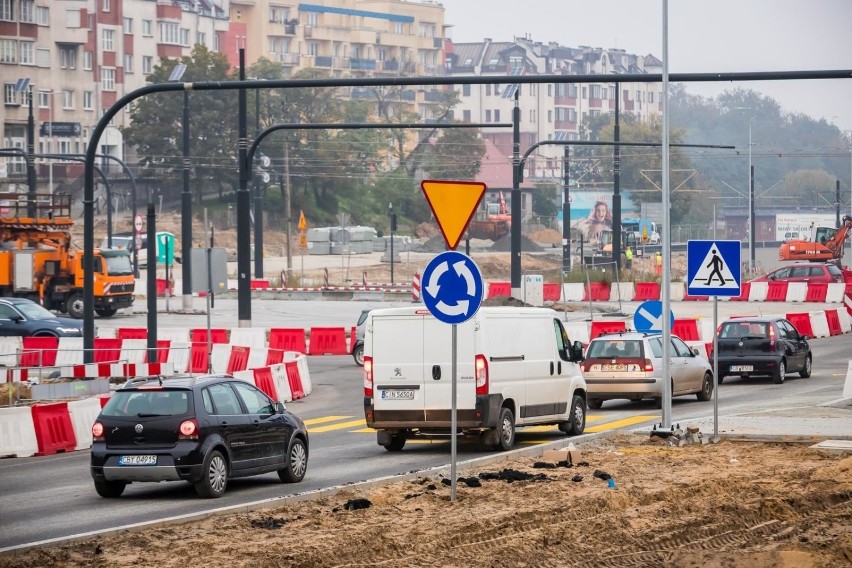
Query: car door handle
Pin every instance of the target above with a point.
(551, 367)
(436, 372)
(257, 423)
(559, 367)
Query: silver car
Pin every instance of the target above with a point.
(629, 365)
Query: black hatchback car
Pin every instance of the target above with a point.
(204, 430)
(763, 346)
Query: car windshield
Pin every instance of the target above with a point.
(33, 311)
(118, 265)
(118, 242)
(147, 402)
(615, 348)
(744, 330)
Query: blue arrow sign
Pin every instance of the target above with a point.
(649, 317)
(452, 287)
(713, 268)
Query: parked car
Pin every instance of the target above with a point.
(763, 346)
(358, 345)
(629, 365)
(804, 272)
(21, 317)
(204, 430)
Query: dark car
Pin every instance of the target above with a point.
(21, 317)
(763, 346)
(204, 430)
(358, 345)
(819, 272)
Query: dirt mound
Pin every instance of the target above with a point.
(426, 231)
(547, 236)
(505, 245)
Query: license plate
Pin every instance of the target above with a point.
(137, 460)
(621, 368)
(398, 394)
(740, 368)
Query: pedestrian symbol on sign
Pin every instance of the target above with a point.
(711, 267)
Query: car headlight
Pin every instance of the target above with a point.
(68, 329)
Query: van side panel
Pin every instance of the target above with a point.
(438, 362)
(547, 383)
(499, 339)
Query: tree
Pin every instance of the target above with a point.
(156, 123)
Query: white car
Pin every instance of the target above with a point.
(629, 365)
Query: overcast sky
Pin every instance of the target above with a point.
(703, 36)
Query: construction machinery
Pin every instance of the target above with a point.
(37, 260)
(493, 221)
(826, 246)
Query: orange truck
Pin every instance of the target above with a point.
(37, 260)
(827, 244)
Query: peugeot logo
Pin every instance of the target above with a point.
(397, 372)
(740, 344)
(139, 428)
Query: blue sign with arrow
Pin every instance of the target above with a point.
(649, 317)
(713, 268)
(452, 287)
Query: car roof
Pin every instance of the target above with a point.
(625, 335)
(17, 301)
(186, 382)
(756, 319)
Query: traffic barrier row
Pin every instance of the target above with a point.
(798, 292)
(58, 427)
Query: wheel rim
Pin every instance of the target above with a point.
(77, 306)
(507, 430)
(579, 415)
(359, 356)
(708, 386)
(782, 370)
(217, 474)
(808, 365)
(298, 459)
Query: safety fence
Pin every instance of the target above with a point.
(47, 428)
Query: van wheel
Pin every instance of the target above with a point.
(706, 391)
(358, 354)
(806, 370)
(780, 373)
(595, 403)
(505, 430)
(397, 443)
(577, 423)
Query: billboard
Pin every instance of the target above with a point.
(800, 226)
(591, 211)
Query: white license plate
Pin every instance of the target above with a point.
(741, 368)
(622, 368)
(398, 394)
(137, 460)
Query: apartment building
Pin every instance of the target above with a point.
(548, 111)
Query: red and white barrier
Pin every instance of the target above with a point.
(17, 432)
(415, 288)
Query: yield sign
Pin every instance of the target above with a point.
(453, 203)
(302, 223)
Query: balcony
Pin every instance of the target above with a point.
(323, 61)
(357, 63)
(289, 58)
(392, 65)
(432, 96)
(362, 94)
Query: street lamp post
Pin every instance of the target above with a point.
(750, 196)
(186, 197)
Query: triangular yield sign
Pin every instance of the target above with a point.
(453, 203)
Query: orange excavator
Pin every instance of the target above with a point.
(827, 244)
(493, 221)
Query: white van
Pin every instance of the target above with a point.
(515, 367)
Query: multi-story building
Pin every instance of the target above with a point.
(548, 111)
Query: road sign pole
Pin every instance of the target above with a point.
(453, 418)
(715, 437)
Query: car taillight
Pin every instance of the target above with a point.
(481, 366)
(188, 430)
(98, 432)
(771, 337)
(368, 376)
(649, 366)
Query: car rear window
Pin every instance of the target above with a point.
(743, 329)
(834, 271)
(615, 348)
(161, 402)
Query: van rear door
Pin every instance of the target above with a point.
(438, 368)
(397, 351)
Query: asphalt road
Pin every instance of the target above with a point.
(53, 497)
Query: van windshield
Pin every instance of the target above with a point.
(118, 265)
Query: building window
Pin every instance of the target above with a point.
(87, 60)
(487, 116)
(27, 53)
(10, 97)
(313, 19)
(572, 115)
(88, 100)
(427, 30)
(128, 25)
(549, 90)
(466, 116)
(651, 97)
(184, 36)
(550, 116)
(532, 116)
(466, 90)
(201, 38)
(68, 100)
(108, 40)
(147, 28)
(595, 91)
(8, 51)
(147, 64)
(6, 11)
(279, 14)
(107, 78)
(128, 63)
(42, 14)
(68, 57)
(398, 28)
(27, 11)
(43, 57)
(313, 48)
(105, 5)
(497, 115)
(572, 90)
(44, 99)
(487, 90)
(169, 33)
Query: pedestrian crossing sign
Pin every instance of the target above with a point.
(713, 268)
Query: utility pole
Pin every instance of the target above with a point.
(243, 212)
(566, 214)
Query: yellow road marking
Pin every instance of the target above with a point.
(620, 423)
(338, 426)
(322, 419)
(551, 427)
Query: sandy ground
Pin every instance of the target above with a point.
(732, 505)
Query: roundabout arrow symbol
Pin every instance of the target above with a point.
(433, 288)
(463, 270)
(457, 310)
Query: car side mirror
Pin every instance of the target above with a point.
(17, 318)
(805, 337)
(280, 408)
(577, 352)
(695, 352)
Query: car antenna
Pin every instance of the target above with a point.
(160, 378)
